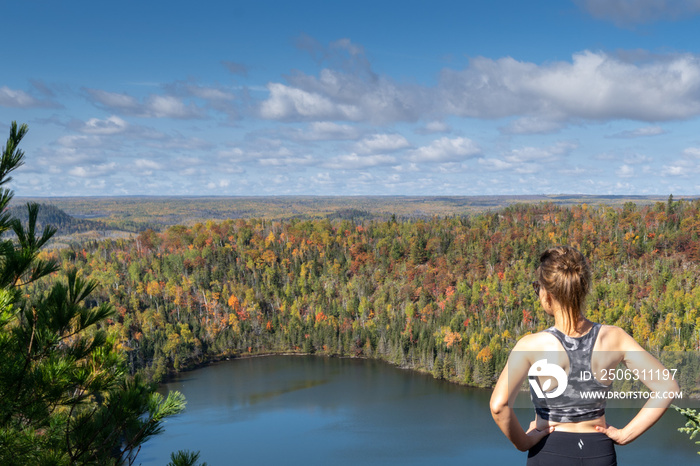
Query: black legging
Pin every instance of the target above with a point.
(571, 448)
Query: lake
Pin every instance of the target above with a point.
(306, 410)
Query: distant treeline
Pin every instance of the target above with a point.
(450, 295)
(138, 213)
(52, 215)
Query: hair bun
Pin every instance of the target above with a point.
(564, 272)
(570, 267)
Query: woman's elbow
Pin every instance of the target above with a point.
(666, 391)
(498, 404)
(668, 387)
(673, 388)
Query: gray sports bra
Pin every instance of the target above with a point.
(571, 405)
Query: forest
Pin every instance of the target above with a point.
(449, 295)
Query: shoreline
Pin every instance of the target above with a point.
(217, 359)
(221, 358)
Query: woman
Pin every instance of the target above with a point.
(566, 360)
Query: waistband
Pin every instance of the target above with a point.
(575, 445)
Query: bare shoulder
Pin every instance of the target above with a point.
(524, 353)
(611, 331)
(613, 338)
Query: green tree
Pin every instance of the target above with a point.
(185, 458)
(65, 396)
(692, 426)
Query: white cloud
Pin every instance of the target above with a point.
(280, 180)
(636, 159)
(230, 169)
(327, 131)
(92, 184)
(159, 106)
(532, 125)
(140, 168)
(15, 98)
(624, 171)
(355, 161)
(692, 152)
(322, 178)
(406, 168)
(93, 171)
(267, 153)
(382, 143)
(539, 154)
(528, 160)
(575, 171)
(192, 171)
(111, 125)
(594, 85)
(640, 132)
(678, 169)
(114, 100)
(181, 144)
(216, 97)
(76, 141)
(495, 164)
(234, 154)
(64, 158)
(288, 161)
(446, 150)
(210, 93)
(685, 167)
(347, 90)
(435, 127)
(145, 164)
(288, 103)
(688, 165)
(154, 106)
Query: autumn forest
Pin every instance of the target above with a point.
(449, 295)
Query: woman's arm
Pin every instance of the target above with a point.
(635, 357)
(504, 394)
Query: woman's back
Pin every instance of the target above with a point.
(568, 368)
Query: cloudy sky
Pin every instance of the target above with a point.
(356, 97)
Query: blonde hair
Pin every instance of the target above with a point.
(564, 272)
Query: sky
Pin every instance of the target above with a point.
(381, 97)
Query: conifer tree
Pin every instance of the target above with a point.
(65, 394)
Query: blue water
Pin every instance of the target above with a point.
(300, 410)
